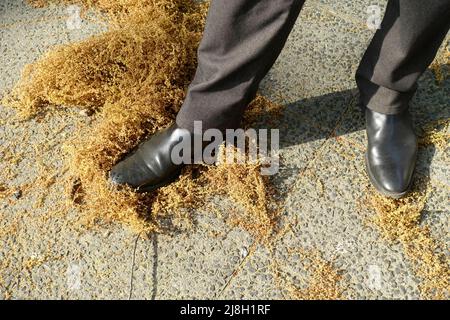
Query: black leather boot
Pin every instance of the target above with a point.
(391, 152)
(150, 165)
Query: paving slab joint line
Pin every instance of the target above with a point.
(132, 265)
(238, 268)
(303, 170)
(317, 154)
(351, 142)
(345, 17)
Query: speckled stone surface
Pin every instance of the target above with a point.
(322, 182)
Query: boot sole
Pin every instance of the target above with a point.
(153, 187)
(395, 195)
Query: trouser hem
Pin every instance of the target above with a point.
(382, 99)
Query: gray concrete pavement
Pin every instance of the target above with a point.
(322, 181)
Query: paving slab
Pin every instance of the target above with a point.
(355, 11)
(321, 179)
(329, 208)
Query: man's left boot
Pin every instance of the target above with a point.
(391, 152)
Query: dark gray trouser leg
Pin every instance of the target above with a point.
(241, 41)
(406, 44)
